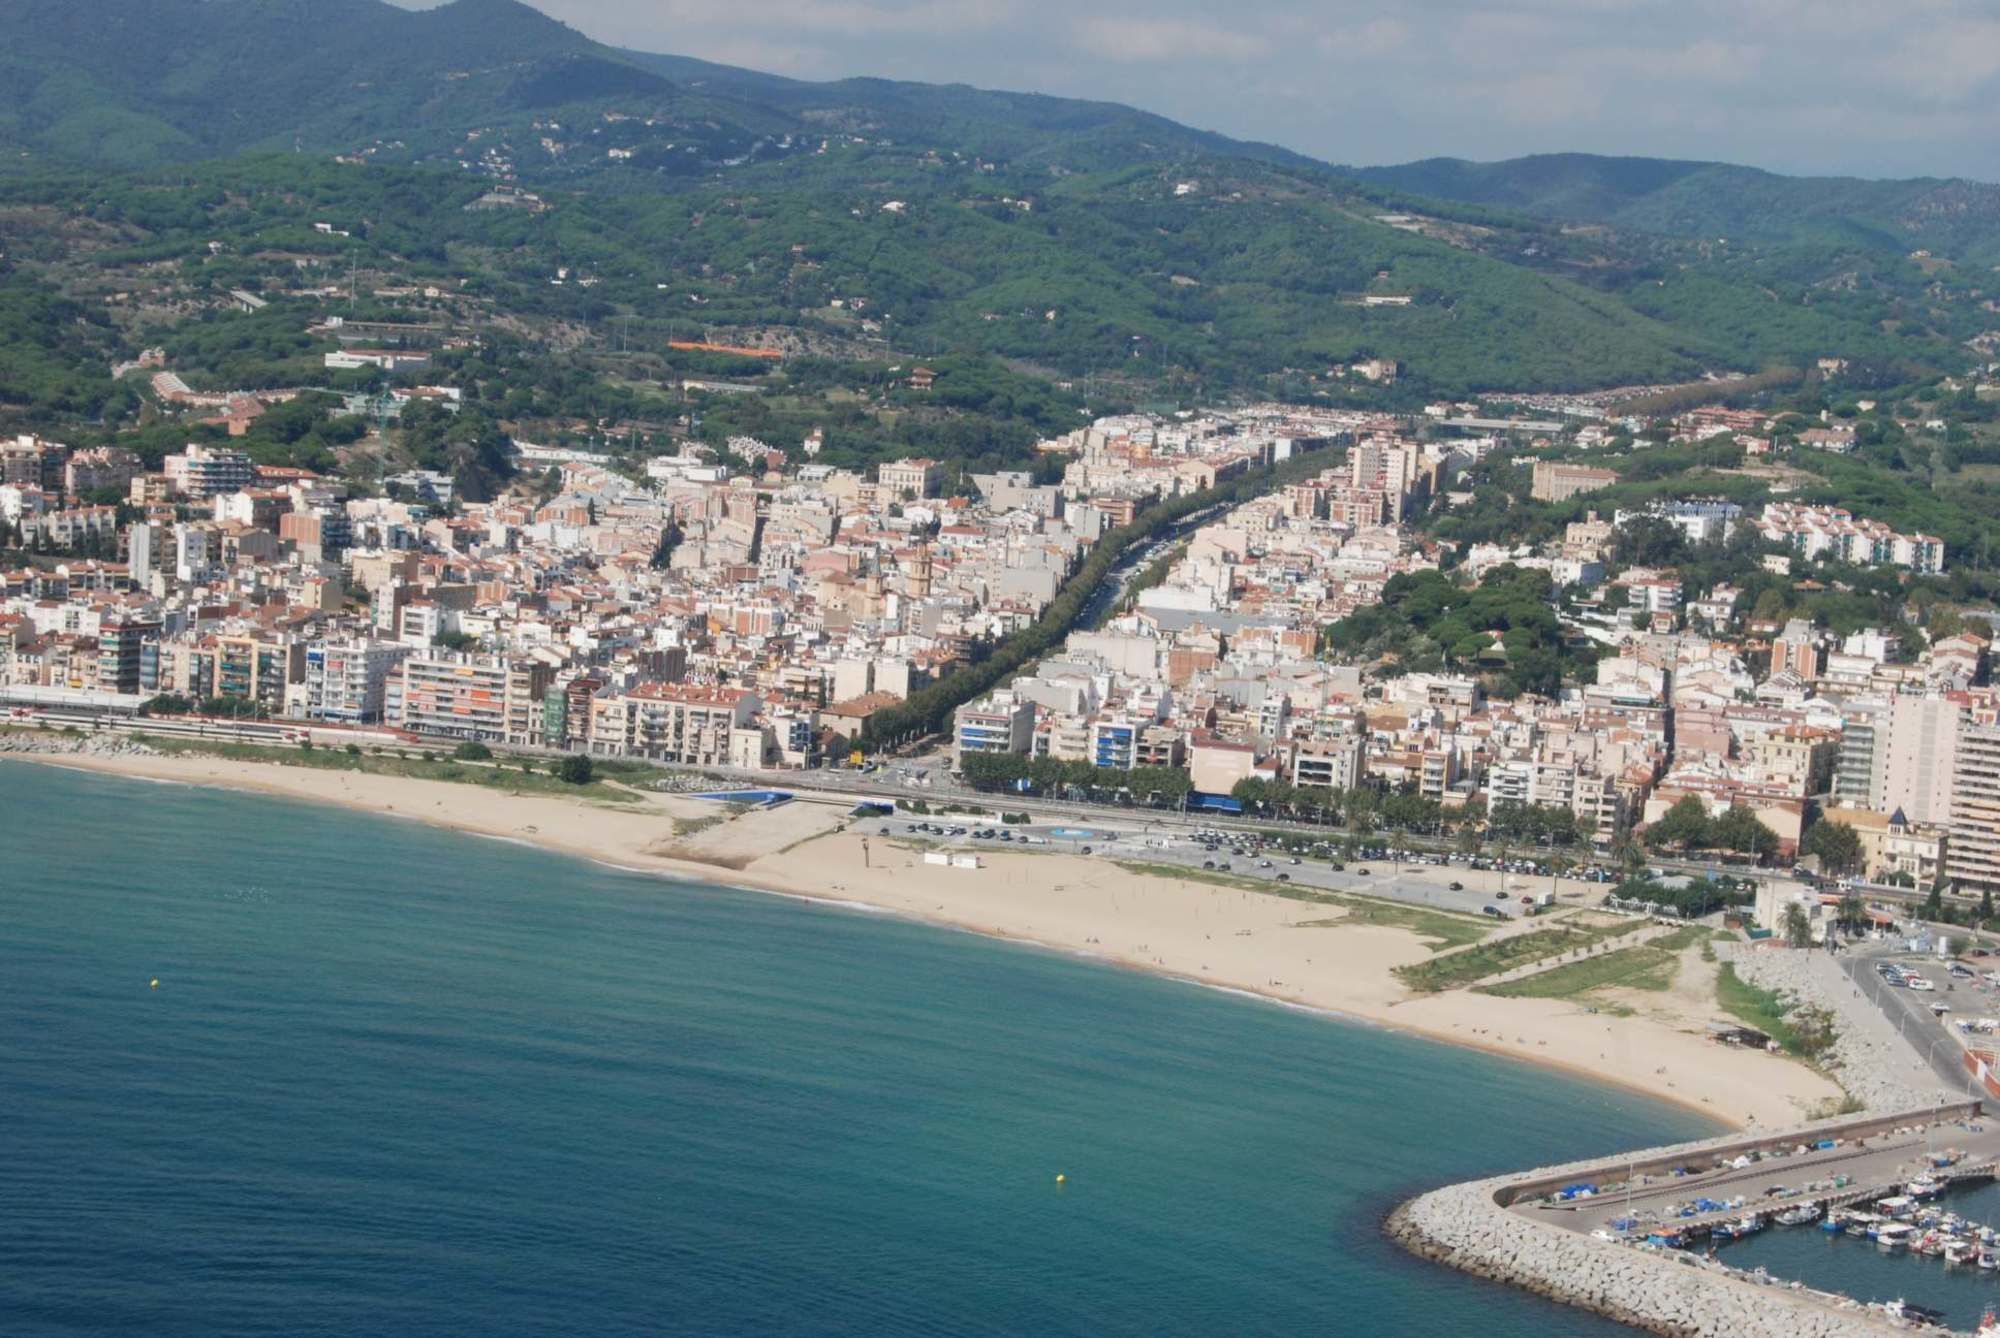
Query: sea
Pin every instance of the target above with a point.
(272, 1068)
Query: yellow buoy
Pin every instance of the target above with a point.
(1061, 1178)
(156, 982)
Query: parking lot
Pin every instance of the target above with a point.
(1469, 885)
(1926, 997)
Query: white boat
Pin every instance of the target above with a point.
(1894, 1235)
(1960, 1252)
(1802, 1215)
(1924, 1187)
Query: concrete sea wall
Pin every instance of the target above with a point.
(1661, 1291)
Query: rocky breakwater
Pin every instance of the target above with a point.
(1870, 1059)
(72, 745)
(1660, 1291)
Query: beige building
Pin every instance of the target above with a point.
(909, 478)
(688, 723)
(1556, 481)
(1973, 863)
(1891, 844)
(1922, 753)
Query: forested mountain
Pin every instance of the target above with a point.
(1077, 238)
(1717, 200)
(135, 82)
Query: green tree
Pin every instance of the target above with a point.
(1685, 825)
(1742, 831)
(1852, 913)
(575, 769)
(472, 751)
(1835, 843)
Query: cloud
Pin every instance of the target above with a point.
(1150, 40)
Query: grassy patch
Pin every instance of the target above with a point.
(1598, 933)
(1643, 967)
(1489, 959)
(1753, 1007)
(1439, 929)
(685, 827)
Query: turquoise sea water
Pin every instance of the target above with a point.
(400, 1081)
(1857, 1268)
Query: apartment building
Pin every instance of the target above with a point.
(1861, 773)
(686, 723)
(1001, 723)
(1830, 532)
(347, 682)
(1338, 763)
(205, 471)
(128, 654)
(462, 696)
(1972, 861)
(1922, 758)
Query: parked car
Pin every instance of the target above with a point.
(1458, 887)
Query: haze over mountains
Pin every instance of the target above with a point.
(1152, 240)
(135, 82)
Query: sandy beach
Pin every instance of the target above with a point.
(1225, 937)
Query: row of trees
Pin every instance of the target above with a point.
(1014, 773)
(929, 709)
(1362, 809)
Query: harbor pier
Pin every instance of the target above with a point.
(1590, 1233)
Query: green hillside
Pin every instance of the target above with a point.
(1717, 200)
(890, 219)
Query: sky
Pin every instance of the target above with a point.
(1865, 87)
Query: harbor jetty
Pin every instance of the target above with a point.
(1591, 1233)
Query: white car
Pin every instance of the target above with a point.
(1921, 983)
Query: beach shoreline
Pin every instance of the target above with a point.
(1092, 910)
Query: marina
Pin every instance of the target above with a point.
(1676, 1240)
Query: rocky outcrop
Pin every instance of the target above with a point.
(1869, 1058)
(83, 745)
(1662, 1291)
